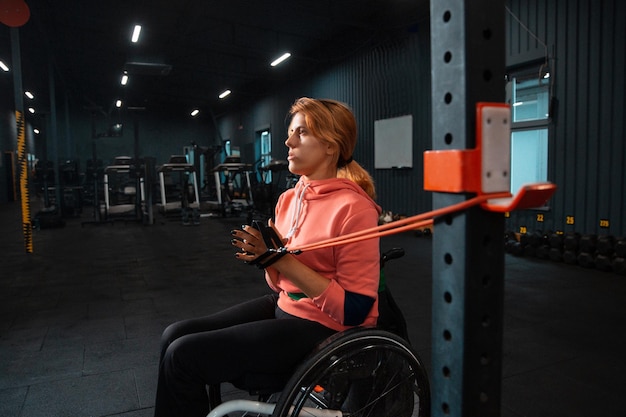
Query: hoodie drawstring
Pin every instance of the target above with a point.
(295, 216)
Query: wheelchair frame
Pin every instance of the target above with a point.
(357, 372)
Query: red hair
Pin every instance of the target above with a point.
(333, 122)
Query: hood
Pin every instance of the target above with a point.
(320, 189)
(316, 189)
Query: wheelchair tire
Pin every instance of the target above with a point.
(365, 372)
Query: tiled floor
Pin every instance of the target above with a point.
(80, 318)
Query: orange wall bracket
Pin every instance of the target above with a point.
(486, 168)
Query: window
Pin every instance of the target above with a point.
(266, 153)
(529, 97)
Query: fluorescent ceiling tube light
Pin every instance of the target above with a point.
(225, 93)
(136, 33)
(4, 67)
(118, 103)
(124, 79)
(195, 112)
(36, 131)
(280, 59)
(32, 110)
(29, 95)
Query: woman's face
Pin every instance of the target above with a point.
(308, 155)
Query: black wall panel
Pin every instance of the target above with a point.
(389, 81)
(586, 46)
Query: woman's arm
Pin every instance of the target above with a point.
(252, 245)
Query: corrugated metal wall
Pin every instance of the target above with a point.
(585, 39)
(586, 43)
(391, 80)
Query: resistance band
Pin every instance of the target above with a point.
(398, 226)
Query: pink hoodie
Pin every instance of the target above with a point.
(317, 210)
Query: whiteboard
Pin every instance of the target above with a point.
(393, 143)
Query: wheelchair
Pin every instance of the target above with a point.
(355, 373)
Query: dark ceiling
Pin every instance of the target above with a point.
(190, 51)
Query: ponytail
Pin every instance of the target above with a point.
(355, 172)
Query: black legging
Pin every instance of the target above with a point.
(252, 337)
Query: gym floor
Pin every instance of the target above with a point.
(80, 317)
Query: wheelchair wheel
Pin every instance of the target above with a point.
(365, 372)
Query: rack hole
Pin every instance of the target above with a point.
(486, 281)
(448, 138)
(447, 258)
(447, 57)
(448, 98)
(447, 16)
(447, 297)
(447, 335)
(446, 372)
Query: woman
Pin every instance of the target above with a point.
(315, 294)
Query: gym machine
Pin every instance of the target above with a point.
(234, 192)
(176, 179)
(120, 189)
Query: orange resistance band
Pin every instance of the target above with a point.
(403, 225)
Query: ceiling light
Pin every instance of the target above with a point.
(29, 95)
(124, 79)
(118, 103)
(280, 59)
(225, 93)
(195, 112)
(36, 131)
(4, 67)
(32, 110)
(136, 33)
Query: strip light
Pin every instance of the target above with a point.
(225, 94)
(136, 33)
(4, 67)
(280, 59)
(195, 112)
(124, 80)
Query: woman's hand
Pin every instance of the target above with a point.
(249, 241)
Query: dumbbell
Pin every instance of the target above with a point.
(570, 247)
(606, 245)
(604, 262)
(588, 243)
(586, 259)
(515, 248)
(569, 257)
(556, 240)
(619, 265)
(556, 254)
(543, 251)
(620, 248)
(570, 241)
